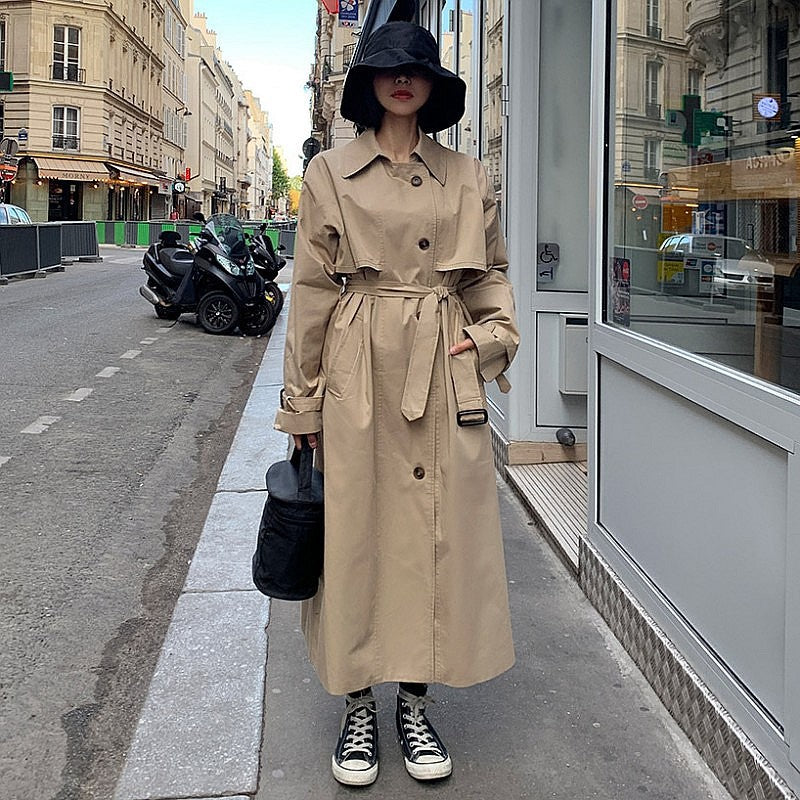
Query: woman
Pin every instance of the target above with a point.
(400, 311)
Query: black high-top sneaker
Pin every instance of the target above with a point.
(355, 760)
(425, 755)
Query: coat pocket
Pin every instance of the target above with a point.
(346, 351)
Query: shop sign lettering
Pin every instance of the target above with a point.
(770, 160)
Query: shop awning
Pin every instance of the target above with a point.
(70, 169)
(123, 172)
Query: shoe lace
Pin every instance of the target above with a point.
(417, 728)
(359, 714)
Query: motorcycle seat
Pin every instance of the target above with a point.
(177, 260)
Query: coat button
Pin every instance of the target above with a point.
(419, 473)
(424, 244)
(416, 181)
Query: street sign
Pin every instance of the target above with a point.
(22, 135)
(640, 202)
(187, 174)
(179, 187)
(311, 147)
(8, 172)
(8, 147)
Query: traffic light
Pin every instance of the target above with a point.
(6, 81)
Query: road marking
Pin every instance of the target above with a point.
(149, 340)
(131, 354)
(78, 395)
(40, 425)
(107, 372)
(4, 460)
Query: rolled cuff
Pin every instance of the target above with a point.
(492, 355)
(298, 421)
(299, 414)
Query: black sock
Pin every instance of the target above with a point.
(418, 689)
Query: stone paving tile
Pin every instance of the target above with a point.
(256, 445)
(200, 730)
(221, 562)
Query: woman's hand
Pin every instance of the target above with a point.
(298, 440)
(467, 344)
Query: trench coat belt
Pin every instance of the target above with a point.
(438, 303)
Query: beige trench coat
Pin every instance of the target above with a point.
(393, 264)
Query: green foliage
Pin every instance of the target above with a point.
(280, 178)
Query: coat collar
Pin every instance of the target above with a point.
(365, 149)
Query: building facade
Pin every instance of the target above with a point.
(174, 114)
(646, 155)
(86, 107)
(259, 160)
(335, 45)
(122, 111)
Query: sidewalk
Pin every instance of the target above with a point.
(573, 719)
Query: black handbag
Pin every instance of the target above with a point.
(287, 562)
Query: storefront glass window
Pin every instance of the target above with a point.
(705, 160)
(491, 82)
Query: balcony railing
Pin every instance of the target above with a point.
(67, 72)
(654, 32)
(347, 55)
(652, 110)
(338, 63)
(66, 143)
(651, 173)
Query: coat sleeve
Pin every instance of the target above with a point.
(489, 297)
(314, 297)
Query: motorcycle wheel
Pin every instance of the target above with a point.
(218, 313)
(167, 312)
(274, 296)
(259, 322)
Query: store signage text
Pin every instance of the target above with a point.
(770, 160)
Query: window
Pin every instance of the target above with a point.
(653, 26)
(65, 128)
(652, 94)
(2, 45)
(704, 242)
(694, 80)
(652, 159)
(460, 53)
(66, 54)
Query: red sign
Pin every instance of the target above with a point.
(188, 174)
(639, 202)
(332, 6)
(7, 173)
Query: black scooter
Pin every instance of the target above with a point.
(214, 277)
(268, 265)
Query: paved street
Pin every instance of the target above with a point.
(114, 427)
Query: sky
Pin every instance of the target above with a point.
(270, 45)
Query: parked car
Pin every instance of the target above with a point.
(13, 215)
(726, 263)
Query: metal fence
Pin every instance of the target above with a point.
(143, 234)
(31, 248)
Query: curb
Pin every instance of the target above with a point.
(200, 731)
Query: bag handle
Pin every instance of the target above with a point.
(303, 461)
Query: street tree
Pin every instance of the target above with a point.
(280, 178)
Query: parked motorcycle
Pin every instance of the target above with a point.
(268, 265)
(214, 277)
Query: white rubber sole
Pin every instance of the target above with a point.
(354, 777)
(429, 772)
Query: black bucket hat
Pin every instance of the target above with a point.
(397, 44)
